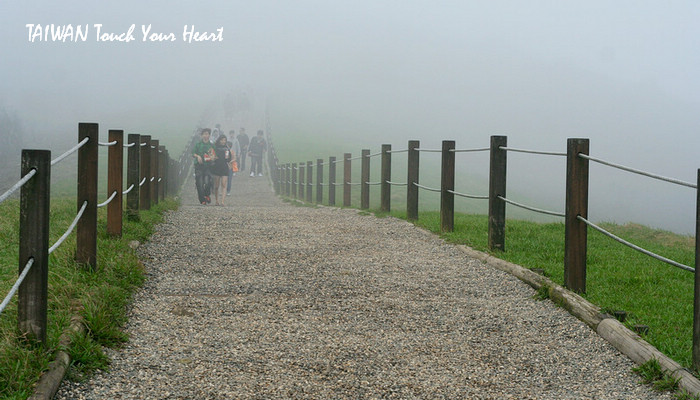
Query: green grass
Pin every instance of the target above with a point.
(99, 296)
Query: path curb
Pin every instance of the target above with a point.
(609, 328)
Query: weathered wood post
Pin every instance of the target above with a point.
(309, 181)
(145, 164)
(162, 177)
(411, 188)
(385, 197)
(294, 180)
(302, 169)
(696, 300)
(497, 187)
(155, 162)
(347, 179)
(115, 171)
(447, 198)
(576, 231)
(319, 180)
(132, 176)
(35, 197)
(86, 228)
(331, 181)
(288, 179)
(364, 180)
(167, 182)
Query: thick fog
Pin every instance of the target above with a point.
(362, 73)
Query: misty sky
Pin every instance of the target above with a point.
(623, 73)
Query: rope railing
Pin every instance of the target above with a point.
(635, 247)
(470, 150)
(69, 152)
(427, 188)
(353, 158)
(469, 196)
(398, 151)
(429, 150)
(108, 144)
(100, 205)
(374, 155)
(70, 228)
(546, 153)
(639, 172)
(142, 181)
(17, 284)
(128, 190)
(353, 183)
(18, 185)
(129, 145)
(538, 210)
(373, 183)
(397, 183)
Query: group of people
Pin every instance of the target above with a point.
(217, 160)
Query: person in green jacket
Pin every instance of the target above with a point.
(204, 156)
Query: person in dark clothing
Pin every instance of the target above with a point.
(204, 155)
(220, 168)
(243, 141)
(256, 149)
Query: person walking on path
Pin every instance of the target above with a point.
(243, 141)
(235, 148)
(204, 155)
(220, 169)
(257, 147)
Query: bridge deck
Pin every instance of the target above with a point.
(263, 299)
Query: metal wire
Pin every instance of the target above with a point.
(17, 284)
(112, 143)
(546, 153)
(469, 196)
(396, 183)
(69, 152)
(70, 228)
(129, 189)
(556, 214)
(635, 247)
(470, 150)
(18, 185)
(427, 188)
(636, 171)
(108, 200)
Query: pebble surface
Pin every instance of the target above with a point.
(261, 299)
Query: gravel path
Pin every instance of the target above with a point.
(273, 301)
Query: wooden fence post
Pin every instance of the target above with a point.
(319, 180)
(302, 168)
(167, 183)
(413, 178)
(288, 179)
(115, 171)
(162, 178)
(309, 181)
(155, 163)
(132, 177)
(145, 171)
(385, 202)
(347, 179)
(86, 228)
(364, 179)
(331, 181)
(35, 197)
(294, 180)
(447, 198)
(497, 187)
(696, 299)
(576, 231)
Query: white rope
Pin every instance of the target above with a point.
(142, 181)
(470, 150)
(130, 144)
(374, 155)
(398, 151)
(70, 228)
(108, 200)
(469, 196)
(373, 183)
(143, 144)
(69, 152)
(546, 153)
(353, 184)
(17, 284)
(428, 188)
(153, 178)
(636, 171)
(556, 214)
(397, 184)
(160, 179)
(353, 158)
(430, 150)
(635, 247)
(18, 185)
(112, 143)
(129, 189)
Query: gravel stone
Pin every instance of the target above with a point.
(261, 299)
